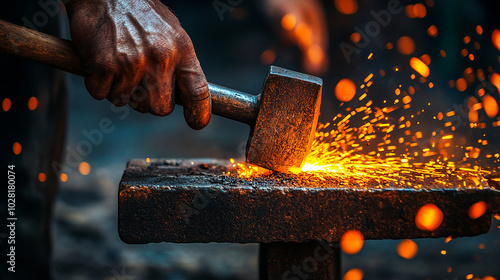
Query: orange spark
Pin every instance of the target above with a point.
(42, 177)
(353, 274)
(477, 210)
(461, 84)
(17, 148)
(32, 103)
(6, 104)
(347, 7)
(63, 177)
(495, 38)
(490, 106)
(407, 249)
(432, 31)
(406, 45)
(429, 217)
(84, 168)
(288, 22)
(352, 241)
(345, 90)
(419, 66)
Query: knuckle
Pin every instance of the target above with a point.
(184, 42)
(200, 92)
(92, 85)
(119, 98)
(161, 108)
(103, 63)
(118, 101)
(163, 52)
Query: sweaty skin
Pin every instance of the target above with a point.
(137, 53)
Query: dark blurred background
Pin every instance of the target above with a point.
(236, 41)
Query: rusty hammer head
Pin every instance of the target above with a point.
(286, 121)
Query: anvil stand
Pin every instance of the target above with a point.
(297, 222)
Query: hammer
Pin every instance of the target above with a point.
(282, 118)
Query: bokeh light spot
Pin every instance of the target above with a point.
(407, 249)
(406, 45)
(42, 177)
(495, 80)
(63, 177)
(426, 59)
(6, 104)
(304, 34)
(352, 241)
(477, 210)
(479, 30)
(353, 274)
(495, 38)
(84, 168)
(315, 55)
(267, 57)
(17, 148)
(461, 84)
(347, 7)
(490, 106)
(345, 90)
(419, 10)
(355, 37)
(410, 12)
(473, 116)
(432, 31)
(32, 103)
(419, 66)
(429, 217)
(288, 22)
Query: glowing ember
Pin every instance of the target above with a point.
(429, 217)
(495, 38)
(407, 249)
(247, 170)
(84, 168)
(17, 148)
(419, 66)
(352, 242)
(288, 22)
(495, 79)
(490, 106)
(42, 177)
(32, 103)
(477, 210)
(63, 177)
(406, 45)
(345, 90)
(347, 7)
(353, 274)
(6, 104)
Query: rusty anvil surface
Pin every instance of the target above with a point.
(191, 201)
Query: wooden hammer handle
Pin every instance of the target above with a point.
(61, 54)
